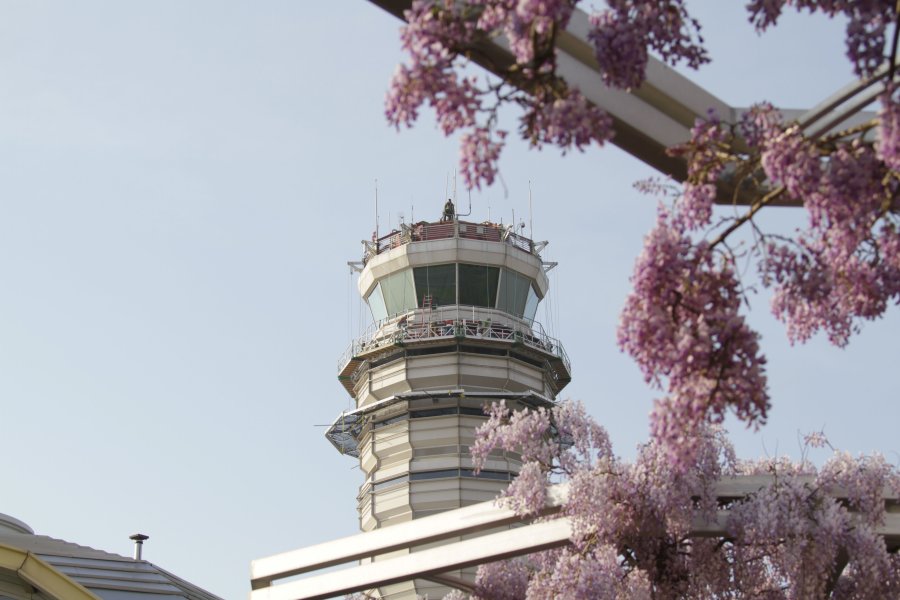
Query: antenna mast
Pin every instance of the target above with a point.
(376, 210)
(459, 214)
(454, 185)
(530, 214)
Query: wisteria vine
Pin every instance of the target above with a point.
(805, 532)
(682, 322)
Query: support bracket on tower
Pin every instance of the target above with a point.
(549, 266)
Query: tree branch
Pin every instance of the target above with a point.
(767, 199)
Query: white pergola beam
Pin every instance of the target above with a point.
(470, 519)
(487, 548)
(717, 527)
(623, 106)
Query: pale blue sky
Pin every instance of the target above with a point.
(181, 185)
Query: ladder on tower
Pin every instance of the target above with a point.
(427, 308)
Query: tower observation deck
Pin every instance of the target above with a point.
(453, 305)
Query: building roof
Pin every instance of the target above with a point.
(108, 576)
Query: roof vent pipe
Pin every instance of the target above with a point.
(138, 544)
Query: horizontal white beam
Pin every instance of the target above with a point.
(487, 548)
(742, 485)
(702, 528)
(470, 519)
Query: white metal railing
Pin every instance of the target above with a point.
(447, 322)
(423, 231)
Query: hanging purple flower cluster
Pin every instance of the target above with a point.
(843, 267)
(867, 22)
(624, 34)
(681, 323)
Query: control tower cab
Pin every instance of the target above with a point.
(453, 305)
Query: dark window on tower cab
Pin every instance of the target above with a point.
(398, 291)
(478, 285)
(437, 281)
(376, 304)
(514, 290)
(531, 303)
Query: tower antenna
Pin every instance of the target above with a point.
(530, 214)
(459, 214)
(454, 184)
(376, 212)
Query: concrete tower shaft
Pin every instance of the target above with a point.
(453, 305)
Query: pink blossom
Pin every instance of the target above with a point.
(816, 439)
(528, 432)
(566, 122)
(527, 493)
(575, 576)
(624, 33)
(888, 146)
(479, 153)
(842, 269)
(789, 159)
(502, 580)
(867, 21)
(620, 49)
(705, 164)
(681, 325)
(760, 123)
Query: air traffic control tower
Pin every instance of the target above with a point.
(453, 305)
